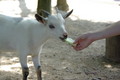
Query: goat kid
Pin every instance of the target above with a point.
(27, 36)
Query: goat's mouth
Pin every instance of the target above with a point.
(62, 38)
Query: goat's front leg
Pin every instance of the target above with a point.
(36, 61)
(23, 61)
(25, 72)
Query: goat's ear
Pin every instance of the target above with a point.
(68, 14)
(40, 19)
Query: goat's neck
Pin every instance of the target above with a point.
(39, 34)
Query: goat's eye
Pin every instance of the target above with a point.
(51, 26)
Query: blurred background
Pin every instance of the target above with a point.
(96, 10)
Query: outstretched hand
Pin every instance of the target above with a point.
(83, 41)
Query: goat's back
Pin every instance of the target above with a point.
(9, 30)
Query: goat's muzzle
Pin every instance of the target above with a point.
(64, 37)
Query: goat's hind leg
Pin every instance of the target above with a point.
(39, 73)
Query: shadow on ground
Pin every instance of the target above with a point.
(7, 75)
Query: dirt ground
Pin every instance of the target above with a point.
(59, 60)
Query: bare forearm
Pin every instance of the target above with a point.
(113, 30)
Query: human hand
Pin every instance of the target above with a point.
(83, 41)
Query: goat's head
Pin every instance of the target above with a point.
(55, 23)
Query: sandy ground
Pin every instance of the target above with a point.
(59, 60)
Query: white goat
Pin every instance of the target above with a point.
(27, 36)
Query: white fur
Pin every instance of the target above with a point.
(26, 36)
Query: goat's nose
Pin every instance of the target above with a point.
(65, 35)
